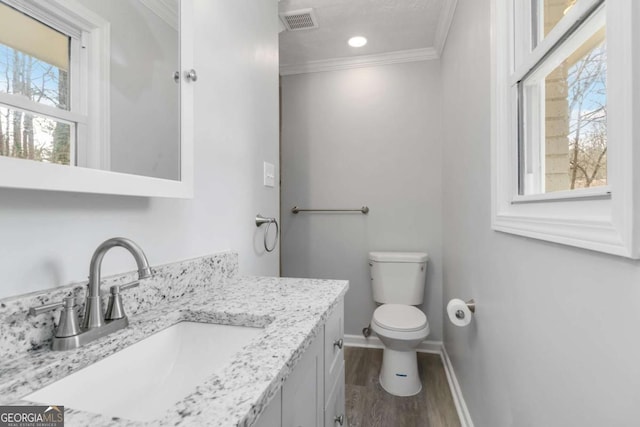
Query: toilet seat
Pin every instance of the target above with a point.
(400, 317)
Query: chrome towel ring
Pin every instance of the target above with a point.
(265, 220)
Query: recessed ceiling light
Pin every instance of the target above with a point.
(357, 41)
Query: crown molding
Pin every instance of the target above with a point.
(444, 24)
(167, 10)
(335, 64)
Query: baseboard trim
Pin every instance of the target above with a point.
(456, 392)
(434, 347)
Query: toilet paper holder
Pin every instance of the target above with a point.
(471, 305)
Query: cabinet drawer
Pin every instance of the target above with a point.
(333, 353)
(334, 413)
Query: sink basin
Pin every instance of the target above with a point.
(143, 380)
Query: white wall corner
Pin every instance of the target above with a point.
(444, 24)
(334, 64)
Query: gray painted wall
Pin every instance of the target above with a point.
(555, 338)
(354, 137)
(47, 238)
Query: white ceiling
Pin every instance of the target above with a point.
(389, 26)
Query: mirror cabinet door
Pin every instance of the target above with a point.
(97, 96)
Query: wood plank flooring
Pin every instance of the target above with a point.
(368, 405)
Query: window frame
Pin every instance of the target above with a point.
(601, 218)
(89, 70)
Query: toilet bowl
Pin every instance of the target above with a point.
(401, 328)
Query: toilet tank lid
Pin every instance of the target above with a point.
(398, 256)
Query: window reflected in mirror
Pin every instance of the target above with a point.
(34, 68)
(91, 83)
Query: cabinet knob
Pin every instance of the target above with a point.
(338, 343)
(191, 75)
(339, 419)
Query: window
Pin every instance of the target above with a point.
(34, 83)
(563, 122)
(52, 109)
(563, 114)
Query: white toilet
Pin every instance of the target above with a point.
(398, 280)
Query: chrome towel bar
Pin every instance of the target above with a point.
(364, 210)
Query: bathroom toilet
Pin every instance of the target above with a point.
(397, 281)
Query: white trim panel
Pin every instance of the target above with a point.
(335, 64)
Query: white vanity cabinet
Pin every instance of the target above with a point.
(313, 395)
(334, 413)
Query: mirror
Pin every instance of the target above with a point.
(95, 86)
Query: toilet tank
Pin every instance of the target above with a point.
(398, 277)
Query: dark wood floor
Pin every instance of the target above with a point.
(368, 405)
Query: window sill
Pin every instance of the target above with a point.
(595, 232)
(569, 195)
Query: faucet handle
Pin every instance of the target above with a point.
(126, 286)
(115, 310)
(37, 311)
(68, 325)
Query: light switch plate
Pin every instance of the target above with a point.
(269, 175)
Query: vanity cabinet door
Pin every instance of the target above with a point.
(303, 392)
(334, 413)
(272, 415)
(333, 348)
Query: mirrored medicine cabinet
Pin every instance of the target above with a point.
(97, 96)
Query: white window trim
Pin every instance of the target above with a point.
(597, 219)
(90, 90)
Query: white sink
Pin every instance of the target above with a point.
(143, 380)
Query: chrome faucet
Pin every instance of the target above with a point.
(95, 324)
(93, 314)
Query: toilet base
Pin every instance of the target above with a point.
(399, 374)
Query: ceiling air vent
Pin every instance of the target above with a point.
(295, 20)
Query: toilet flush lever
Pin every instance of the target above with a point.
(339, 343)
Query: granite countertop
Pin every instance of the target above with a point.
(292, 312)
